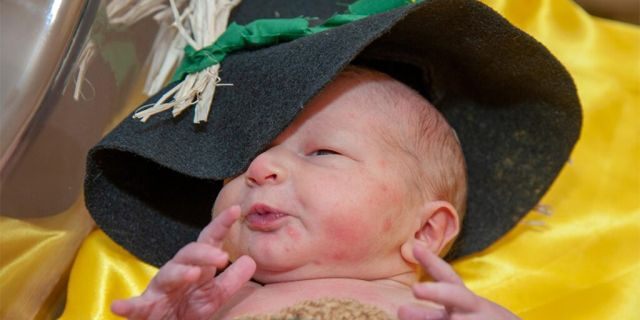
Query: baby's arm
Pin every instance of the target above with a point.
(459, 302)
(186, 287)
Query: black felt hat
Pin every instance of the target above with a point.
(151, 186)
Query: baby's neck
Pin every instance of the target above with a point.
(399, 281)
(387, 294)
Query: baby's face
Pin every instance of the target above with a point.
(329, 198)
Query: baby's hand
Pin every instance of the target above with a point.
(186, 287)
(448, 290)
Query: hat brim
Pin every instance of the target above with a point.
(151, 186)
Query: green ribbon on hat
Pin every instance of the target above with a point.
(266, 32)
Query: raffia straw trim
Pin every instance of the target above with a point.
(166, 52)
(167, 48)
(86, 55)
(207, 20)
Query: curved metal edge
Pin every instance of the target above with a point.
(81, 34)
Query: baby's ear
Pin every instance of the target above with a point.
(438, 225)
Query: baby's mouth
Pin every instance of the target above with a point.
(263, 218)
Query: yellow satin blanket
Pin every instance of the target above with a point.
(580, 262)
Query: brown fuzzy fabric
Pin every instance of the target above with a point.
(325, 309)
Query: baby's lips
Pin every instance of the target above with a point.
(262, 217)
(261, 208)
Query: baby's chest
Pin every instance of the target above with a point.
(323, 309)
(315, 302)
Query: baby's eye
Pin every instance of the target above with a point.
(323, 152)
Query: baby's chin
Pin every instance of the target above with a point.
(277, 266)
(269, 276)
(270, 271)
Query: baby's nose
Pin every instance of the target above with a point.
(266, 169)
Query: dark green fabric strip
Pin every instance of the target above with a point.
(266, 32)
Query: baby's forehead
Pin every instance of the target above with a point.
(387, 113)
(399, 105)
(371, 101)
(366, 103)
(380, 93)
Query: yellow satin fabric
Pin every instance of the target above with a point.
(35, 257)
(582, 262)
(103, 271)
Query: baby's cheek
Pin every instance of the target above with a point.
(292, 233)
(346, 230)
(232, 242)
(387, 225)
(230, 194)
(345, 238)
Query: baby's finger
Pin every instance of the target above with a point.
(215, 231)
(420, 312)
(174, 276)
(201, 254)
(435, 266)
(447, 294)
(130, 308)
(235, 276)
(121, 307)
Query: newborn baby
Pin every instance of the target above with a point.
(364, 187)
